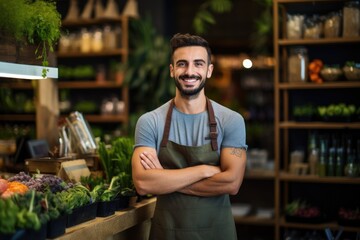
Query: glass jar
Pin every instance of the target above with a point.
(97, 40)
(332, 25)
(295, 26)
(351, 21)
(298, 62)
(85, 46)
(313, 27)
(109, 37)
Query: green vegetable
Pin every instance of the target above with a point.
(27, 218)
(8, 216)
(76, 196)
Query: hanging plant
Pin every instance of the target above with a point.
(204, 16)
(34, 22)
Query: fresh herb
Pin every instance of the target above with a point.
(34, 22)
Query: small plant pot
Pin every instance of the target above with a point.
(56, 227)
(106, 208)
(82, 214)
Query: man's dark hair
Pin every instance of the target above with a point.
(185, 40)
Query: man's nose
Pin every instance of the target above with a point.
(190, 69)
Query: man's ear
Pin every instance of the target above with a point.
(171, 70)
(209, 71)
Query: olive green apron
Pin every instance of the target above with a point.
(187, 217)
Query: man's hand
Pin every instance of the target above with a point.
(150, 161)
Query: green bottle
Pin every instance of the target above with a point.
(350, 168)
(331, 162)
(322, 160)
(339, 161)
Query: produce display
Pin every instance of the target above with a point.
(301, 211)
(35, 202)
(41, 183)
(331, 112)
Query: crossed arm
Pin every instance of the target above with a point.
(202, 180)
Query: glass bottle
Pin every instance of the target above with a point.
(350, 170)
(331, 162)
(313, 155)
(298, 62)
(323, 156)
(339, 161)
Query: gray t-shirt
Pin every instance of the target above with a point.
(191, 129)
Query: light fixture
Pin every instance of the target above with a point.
(247, 63)
(25, 71)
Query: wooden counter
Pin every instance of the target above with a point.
(108, 227)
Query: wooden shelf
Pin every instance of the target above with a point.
(307, 1)
(320, 41)
(18, 117)
(289, 94)
(318, 226)
(260, 175)
(105, 118)
(284, 176)
(320, 125)
(254, 220)
(103, 228)
(88, 84)
(89, 22)
(26, 84)
(107, 53)
(326, 85)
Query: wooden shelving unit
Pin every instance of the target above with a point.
(83, 86)
(286, 128)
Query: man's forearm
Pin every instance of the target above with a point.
(217, 185)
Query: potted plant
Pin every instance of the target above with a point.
(31, 23)
(116, 162)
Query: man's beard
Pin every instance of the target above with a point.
(192, 92)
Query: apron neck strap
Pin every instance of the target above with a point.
(167, 124)
(212, 123)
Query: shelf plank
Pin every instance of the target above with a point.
(288, 177)
(105, 53)
(102, 228)
(88, 84)
(318, 226)
(105, 118)
(320, 41)
(18, 117)
(260, 175)
(306, 1)
(326, 85)
(93, 21)
(254, 220)
(320, 125)
(25, 84)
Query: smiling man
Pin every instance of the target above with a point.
(190, 152)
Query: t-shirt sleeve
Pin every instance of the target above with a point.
(235, 132)
(145, 131)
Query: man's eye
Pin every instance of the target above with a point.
(199, 64)
(181, 64)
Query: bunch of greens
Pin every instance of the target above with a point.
(75, 197)
(105, 192)
(8, 216)
(116, 162)
(91, 181)
(116, 158)
(32, 213)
